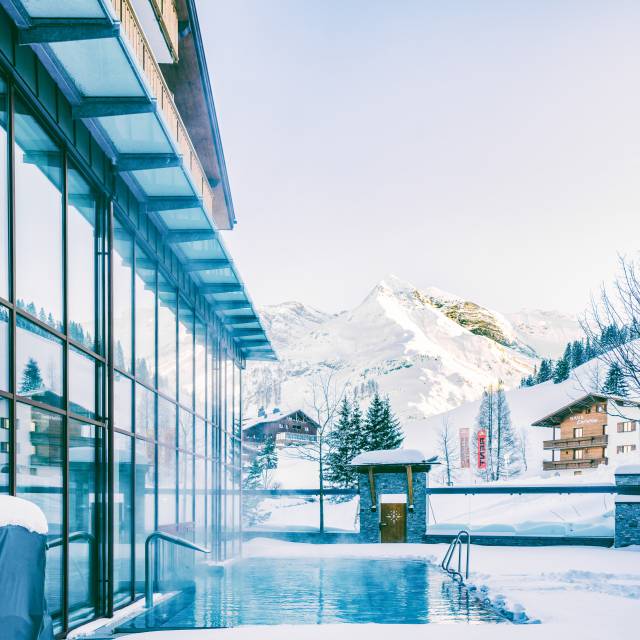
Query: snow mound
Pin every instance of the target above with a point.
(393, 456)
(22, 513)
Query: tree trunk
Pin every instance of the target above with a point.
(321, 465)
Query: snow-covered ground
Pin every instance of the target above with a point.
(575, 592)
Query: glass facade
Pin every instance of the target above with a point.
(119, 391)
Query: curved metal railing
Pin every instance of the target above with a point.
(446, 561)
(148, 564)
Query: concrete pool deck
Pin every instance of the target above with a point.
(583, 592)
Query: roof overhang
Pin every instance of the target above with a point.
(576, 406)
(97, 53)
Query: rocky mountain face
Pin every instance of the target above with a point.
(428, 350)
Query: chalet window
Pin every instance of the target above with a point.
(627, 427)
(577, 432)
(578, 454)
(626, 448)
(600, 408)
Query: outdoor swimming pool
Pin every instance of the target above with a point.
(267, 591)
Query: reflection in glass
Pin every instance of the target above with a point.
(4, 446)
(167, 336)
(200, 437)
(145, 284)
(122, 289)
(185, 334)
(82, 251)
(122, 508)
(39, 457)
(38, 363)
(200, 368)
(145, 412)
(122, 401)
(38, 198)
(82, 383)
(237, 404)
(4, 196)
(167, 496)
(166, 422)
(4, 348)
(145, 502)
(200, 473)
(83, 504)
(185, 430)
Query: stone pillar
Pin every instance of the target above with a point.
(627, 530)
(395, 483)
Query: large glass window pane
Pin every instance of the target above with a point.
(185, 492)
(5, 459)
(145, 283)
(38, 219)
(200, 367)
(4, 195)
(82, 383)
(4, 348)
(145, 502)
(237, 400)
(167, 489)
(145, 412)
(200, 437)
(185, 432)
(186, 355)
(166, 422)
(122, 508)
(39, 479)
(200, 487)
(167, 337)
(122, 290)
(82, 251)
(84, 460)
(122, 400)
(38, 363)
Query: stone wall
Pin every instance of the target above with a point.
(627, 510)
(393, 483)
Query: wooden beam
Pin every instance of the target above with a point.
(372, 489)
(410, 487)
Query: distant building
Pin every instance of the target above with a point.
(593, 430)
(291, 428)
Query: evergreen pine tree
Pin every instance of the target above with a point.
(577, 354)
(545, 372)
(381, 429)
(615, 384)
(339, 441)
(562, 371)
(31, 377)
(391, 436)
(485, 422)
(267, 459)
(507, 450)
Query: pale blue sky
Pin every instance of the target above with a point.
(489, 148)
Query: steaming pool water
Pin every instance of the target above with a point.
(261, 591)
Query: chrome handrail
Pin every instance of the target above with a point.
(446, 561)
(76, 535)
(148, 569)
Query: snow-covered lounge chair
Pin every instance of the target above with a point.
(23, 544)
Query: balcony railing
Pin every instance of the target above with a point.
(130, 27)
(167, 15)
(588, 463)
(576, 443)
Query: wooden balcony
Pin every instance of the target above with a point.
(557, 465)
(141, 50)
(576, 443)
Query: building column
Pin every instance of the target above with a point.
(627, 527)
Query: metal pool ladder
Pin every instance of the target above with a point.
(446, 561)
(148, 564)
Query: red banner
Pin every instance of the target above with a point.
(482, 449)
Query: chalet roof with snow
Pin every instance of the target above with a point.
(392, 458)
(271, 418)
(578, 405)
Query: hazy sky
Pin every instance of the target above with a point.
(491, 149)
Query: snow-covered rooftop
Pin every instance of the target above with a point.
(392, 457)
(628, 470)
(22, 513)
